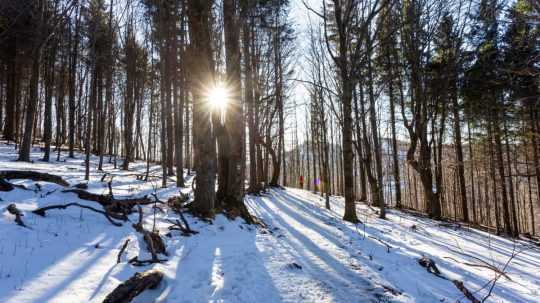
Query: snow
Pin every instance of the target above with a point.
(304, 253)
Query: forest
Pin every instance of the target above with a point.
(357, 119)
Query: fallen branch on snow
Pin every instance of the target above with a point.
(135, 285)
(484, 264)
(388, 247)
(33, 175)
(122, 251)
(177, 225)
(432, 268)
(136, 262)
(41, 211)
(5, 185)
(154, 242)
(118, 208)
(489, 266)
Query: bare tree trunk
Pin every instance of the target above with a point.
(203, 140)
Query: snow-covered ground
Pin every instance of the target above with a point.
(304, 253)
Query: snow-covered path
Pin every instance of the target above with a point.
(301, 233)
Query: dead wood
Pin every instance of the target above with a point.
(41, 211)
(154, 242)
(183, 228)
(484, 263)
(432, 268)
(8, 186)
(33, 175)
(119, 207)
(135, 285)
(467, 293)
(136, 262)
(5, 185)
(12, 209)
(388, 247)
(429, 265)
(122, 251)
(489, 266)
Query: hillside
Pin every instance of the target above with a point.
(300, 252)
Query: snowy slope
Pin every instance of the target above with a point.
(303, 254)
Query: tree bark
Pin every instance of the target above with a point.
(202, 73)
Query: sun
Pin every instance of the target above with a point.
(218, 97)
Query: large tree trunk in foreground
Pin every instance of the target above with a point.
(203, 137)
(233, 129)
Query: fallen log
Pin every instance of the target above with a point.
(41, 211)
(8, 186)
(33, 175)
(5, 185)
(12, 209)
(467, 293)
(119, 207)
(106, 200)
(135, 285)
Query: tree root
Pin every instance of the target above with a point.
(135, 285)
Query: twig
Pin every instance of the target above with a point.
(388, 247)
(122, 250)
(482, 266)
